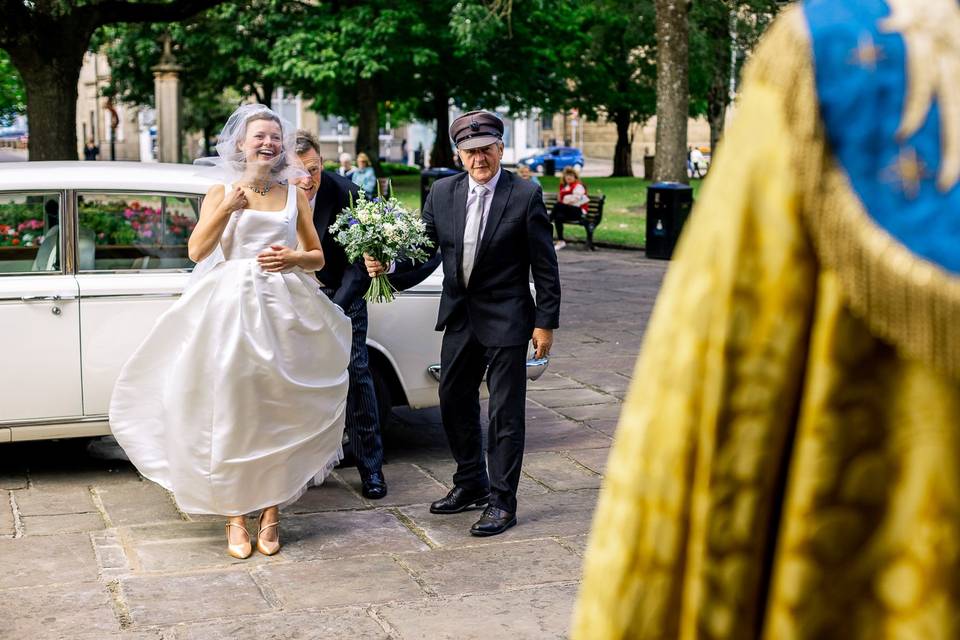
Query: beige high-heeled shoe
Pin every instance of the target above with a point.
(240, 551)
(267, 547)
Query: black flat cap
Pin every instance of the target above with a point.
(476, 129)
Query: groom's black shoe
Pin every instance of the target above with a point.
(374, 486)
(460, 499)
(493, 521)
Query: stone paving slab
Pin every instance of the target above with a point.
(54, 501)
(354, 624)
(542, 613)
(592, 412)
(406, 484)
(57, 612)
(46, 560)
(558, 472)
(187, 555)
(7, 524)
(345, 533)
(577, 543)
(345, 581)
(489, 568)
(139, 503)
(159, 600)
(61, 523)
(593, 459)
(604, 425)
(557, 398)
(116, 473)
(551, 380)
(561, 435)
(332, 495)
(562, 513)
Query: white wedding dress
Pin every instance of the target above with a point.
(235, 400)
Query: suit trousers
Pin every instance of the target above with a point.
(463, 361)
(362, 417)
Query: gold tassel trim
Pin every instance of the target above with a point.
(904, 299)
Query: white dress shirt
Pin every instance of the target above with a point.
(491, 186)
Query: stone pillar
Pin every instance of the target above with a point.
(167, 97)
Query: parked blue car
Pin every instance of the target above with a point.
(562, 156)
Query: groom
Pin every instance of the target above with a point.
(492, 231)
(345, 283)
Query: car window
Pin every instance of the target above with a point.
(29, 232)
(131, 231)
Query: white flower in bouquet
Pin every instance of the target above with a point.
(384, 229)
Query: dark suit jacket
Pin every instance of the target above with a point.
(349, 281)
(517, 241)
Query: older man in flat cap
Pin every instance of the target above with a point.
(492, 231)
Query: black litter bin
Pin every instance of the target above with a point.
(549, 167)
(668, 205)
(429, 176)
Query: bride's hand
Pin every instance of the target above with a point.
(278, 258)
(235, 200)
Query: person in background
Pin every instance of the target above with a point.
(571, 203)
(697, 162)
(363, 176)
(346, 165)
(90, 150)
(523, 171)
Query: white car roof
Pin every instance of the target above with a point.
(125, 176)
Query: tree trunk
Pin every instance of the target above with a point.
(442, 153)
(720, 30)
(368, 122)
(50, 79)
(716, 114)
(622, 153)
(672, 90)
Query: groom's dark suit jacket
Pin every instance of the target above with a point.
(517, 241)
(349, 281)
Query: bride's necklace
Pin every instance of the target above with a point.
(262, 191)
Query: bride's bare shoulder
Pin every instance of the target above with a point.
(217, 191)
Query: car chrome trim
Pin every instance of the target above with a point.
(102, 296)
(128, 272)
(68, 232)
(42, 422)
(535, 368)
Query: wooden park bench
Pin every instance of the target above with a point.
(589, 220)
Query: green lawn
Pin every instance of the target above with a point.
(624, 213)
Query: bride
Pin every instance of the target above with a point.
(235, 400)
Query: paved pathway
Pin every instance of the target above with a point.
(91, 551)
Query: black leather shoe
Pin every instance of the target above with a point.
(493, 521)
(374, 486)
(460, 499)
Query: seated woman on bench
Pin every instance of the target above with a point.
(571, 203)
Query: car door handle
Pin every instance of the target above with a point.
(55, 298)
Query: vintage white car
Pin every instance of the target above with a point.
(91, 253)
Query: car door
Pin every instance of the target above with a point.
(136, 268)
(39, 312)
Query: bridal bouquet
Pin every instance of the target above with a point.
(385, 230)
